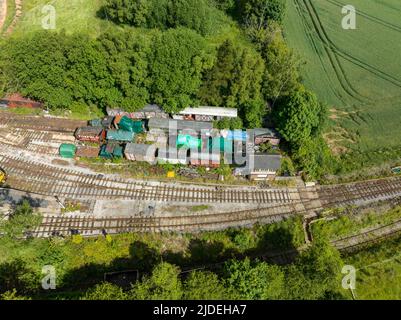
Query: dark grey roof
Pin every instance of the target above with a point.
(179, 124)
(140, 149)
(264, 161)
(89, 131)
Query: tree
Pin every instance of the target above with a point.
(179, 56)
(235, 81)
(105, 291)
(259, 13)
(133, 12)
(163, 284)
(20, 221)
(281, 76)
(203, 285)
(198, 15)
(316, 274)
(128, 67)
(259, 281)
(298, 116)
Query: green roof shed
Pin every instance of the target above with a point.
(120, 135)
(67, 150)
(130, 125)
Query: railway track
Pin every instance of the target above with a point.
(359, 193)
(368, 237)
(10, 120)
(91, 226)
(44, 179)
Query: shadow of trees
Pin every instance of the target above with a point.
(200, 254)
(15, 198)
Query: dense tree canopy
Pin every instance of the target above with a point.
(258, 13)
(199, 15)
(298, 116)
(235, 81)
(179, 57)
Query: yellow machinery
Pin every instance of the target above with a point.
(3, 176)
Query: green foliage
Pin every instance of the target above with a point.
(315, 158)
(258, 281)
(229, 123)
(178, 59)
(284, 234)
(317, 273)
(20, 221)
(199, 15)
(204, 285)
(163, 284)
(287, 167)
(12, 295)
(281, 76)
(127, 56)
(235, 81)
(260, 12)
(105, 291)
(297, 116)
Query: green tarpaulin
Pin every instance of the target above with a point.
(188, 141)
(130, 125)
(67, 150)
(104, 153)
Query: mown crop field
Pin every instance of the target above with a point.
(357, 72)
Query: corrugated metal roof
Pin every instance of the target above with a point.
(92, 131)
(120, 135)
(166, 124)
(140, 149)
(263, 161)
(211, 111)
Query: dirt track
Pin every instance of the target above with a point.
(3, 12)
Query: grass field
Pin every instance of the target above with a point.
(357, 72)
(74, 16)
(378, 273)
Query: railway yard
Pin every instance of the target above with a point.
(116, 204)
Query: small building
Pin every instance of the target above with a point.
(111, 150)
(172, 155)
(263, 135)
(206, 113)
(260, 166)
(205, 158)
(16, 100)
(120, 135)
(67, 150)
(87, 152)
(95, 122)
(140, 152)
(127, 124)
(107, 122)
(90, 134)
(148, 112)
(182, 126)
